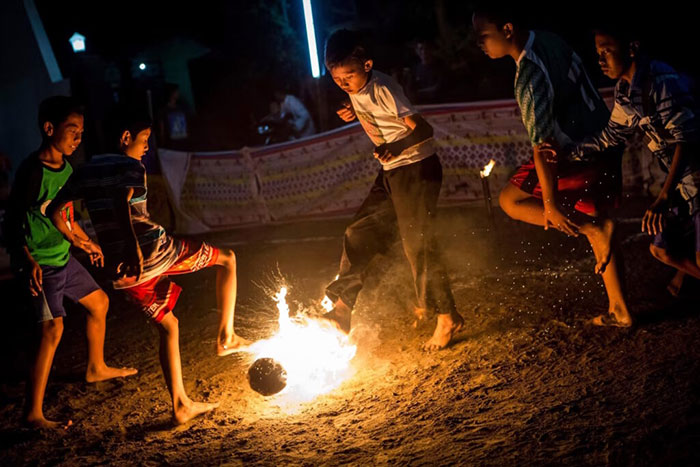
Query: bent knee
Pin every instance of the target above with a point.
(169, 324)
(506, 200)
(53, 329)
(102, 301)
(659, 253)
(227, 258)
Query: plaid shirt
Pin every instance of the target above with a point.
(102, 183)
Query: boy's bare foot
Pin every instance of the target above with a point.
(674, 287)
(615, 317)
(447, 326)
(226, 345)
(187, 410)
(93, 375)
(610, 320)
(41, 423)
(340, 316)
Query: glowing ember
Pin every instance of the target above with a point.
(315, 355)
(327, 304)
(487, 169)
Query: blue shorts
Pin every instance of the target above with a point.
(71, 281)
(681, 234)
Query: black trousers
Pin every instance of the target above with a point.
(402, 200)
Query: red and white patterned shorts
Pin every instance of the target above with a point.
(158, 296)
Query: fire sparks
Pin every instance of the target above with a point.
(315, 355)
(487, 169)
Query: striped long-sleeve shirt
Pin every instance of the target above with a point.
(657, 102)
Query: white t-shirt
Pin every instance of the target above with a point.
(300, 118)
(380, 107)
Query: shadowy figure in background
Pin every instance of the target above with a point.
(428, 75)
(173, 131)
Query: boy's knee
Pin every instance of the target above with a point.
(227, 258)
(102, 301)
(169, 324)
(53, 330)
(659, 253)
(505, 201)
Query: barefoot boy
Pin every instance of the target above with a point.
(404, 195)
(651, 96)
(141, 255)
(558, 104)
(41, 256)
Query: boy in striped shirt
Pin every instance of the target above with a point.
(651, 96)
(559, 105)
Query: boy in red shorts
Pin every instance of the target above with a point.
(559, 105)
(141, 255)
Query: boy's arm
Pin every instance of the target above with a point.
(618, 130)
(72, 233)
(25, 191)
(652, 222)
(535, 98)
(88, 246)
(673, 106)
(132, 265)
(421, 130)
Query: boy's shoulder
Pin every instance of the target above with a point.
(381, 83)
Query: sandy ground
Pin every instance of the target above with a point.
(527, 382)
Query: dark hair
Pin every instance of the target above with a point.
(498, 14)
(618, 31)
(126, 119)
(344, 45)
(56, 110)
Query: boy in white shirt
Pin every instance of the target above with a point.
(404, 196)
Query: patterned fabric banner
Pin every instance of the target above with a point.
(329, 174)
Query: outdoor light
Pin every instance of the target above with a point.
(311, 38)
(78, 42)
(142, 66)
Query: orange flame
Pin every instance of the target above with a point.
(487, 169)
(315, 354)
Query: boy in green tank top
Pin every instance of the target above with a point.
(41, 256)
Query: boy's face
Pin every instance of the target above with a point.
(351, 76)
(66, 136)
(136, 147)
(492, 40)
(612, 59)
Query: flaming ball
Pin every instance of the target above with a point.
(267, 376)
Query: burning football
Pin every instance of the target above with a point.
(267, 376)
